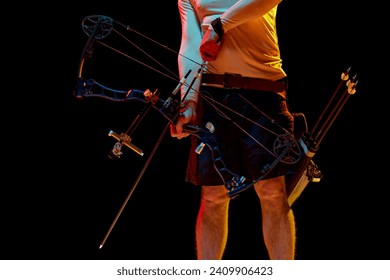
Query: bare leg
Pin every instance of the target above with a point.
(212, 223)
(278, 219)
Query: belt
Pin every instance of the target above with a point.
(237, 81)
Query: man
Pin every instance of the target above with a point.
(236, 45)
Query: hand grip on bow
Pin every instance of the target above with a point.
(187, 115)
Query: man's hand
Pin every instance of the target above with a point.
(210, 45)
(187, 115)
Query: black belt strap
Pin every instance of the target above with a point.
(231, 81)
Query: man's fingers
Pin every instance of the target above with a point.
(209, 50)
(177, 131)
(185, 117)
(172, 129)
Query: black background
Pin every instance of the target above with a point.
(60, 192)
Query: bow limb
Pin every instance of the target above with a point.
(96, 27)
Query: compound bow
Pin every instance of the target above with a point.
(288, 148)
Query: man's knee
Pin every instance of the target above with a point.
(214, 195)
(272, 191)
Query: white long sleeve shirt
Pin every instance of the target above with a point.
(250, 42)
